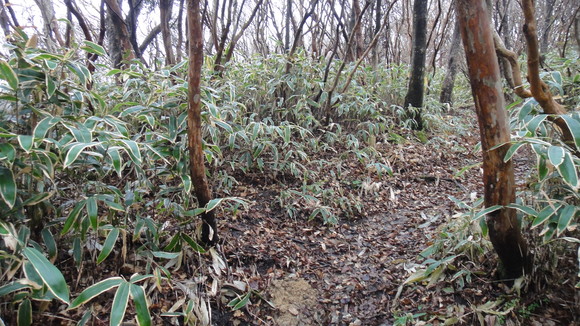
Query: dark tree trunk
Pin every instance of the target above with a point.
(179, 31)
(577, 29)
(288, 22)
(165, 7)
(119, 45)
(548, 21)
(416, 92)
(498, 176)
(377, 29)
(452, 65)
(209, 234)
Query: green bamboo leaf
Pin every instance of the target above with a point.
(565, 217)
(94, 48)
(186, 180)
(568, 170)
(141, 308)
(194, 245)
(7, 187)
(73, 216)
(74, 152)
(486, 211)
(240, 302)
(25, 142)
(136, 278)
(12, 287)
(93, 212)
(81, 133)
(533, 124)
(86, 317)
(96, 289)
(50, 244)
(525, 209)
(108, 245)
(120, 304)
(51, 276)
(117, 160)
(43, 126)
(213, 204)
(8, 75)
(574, 127)
(133, 150)
(165, 255)
(545, 214)
(7, 152)
(556, 155)
(37, 198)
(512, 150)
(50, 86)
(24, 317)
(113, 205)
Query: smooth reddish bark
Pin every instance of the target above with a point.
(498, 176)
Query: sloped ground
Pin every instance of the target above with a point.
(357, 267)
(307, 273)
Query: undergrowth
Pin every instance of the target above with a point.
(94, 171)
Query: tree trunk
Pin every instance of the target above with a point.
(50, 22)
(577, 29)
(119, 45)
(538, 87)
(287, 27)
(415, 92)
(165, 7)
(377, 29)
(356, 32)
(209, 234)
(548, 21)
(452, 65)
(498, 176)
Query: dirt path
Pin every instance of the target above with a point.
(357, 266)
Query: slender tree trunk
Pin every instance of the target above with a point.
(538, 87)
(179, 31)
(416, 91)
(119, 45)
(50, 22)
(377, 29)
(577, 29)
(209, 234)
(548, 21)
(452, 65)
(498, 176)
(287, 27)
(165, 7)
(4, 21)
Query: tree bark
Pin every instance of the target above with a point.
(538, 88)
(577, 29)
(49, 17)
(165, 7)
(209, 234)
(416, 92)
(452, 65)
(119, 45)
(548, 21)
(498, 176)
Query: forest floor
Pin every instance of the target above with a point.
(300, 272)
(353, 273)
